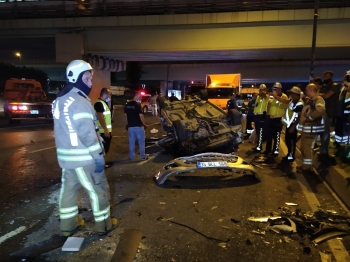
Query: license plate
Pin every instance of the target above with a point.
(212, 164)
(34, 112)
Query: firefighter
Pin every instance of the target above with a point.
(260, 114)
(104, 117)
(342, 128)
(273, 123)
(80, 152)
(291, 120)
(311, 124)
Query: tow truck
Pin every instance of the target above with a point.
(26, 99)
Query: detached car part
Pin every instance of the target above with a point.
(199, 126)
(205, 161)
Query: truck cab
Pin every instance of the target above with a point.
(25, 99)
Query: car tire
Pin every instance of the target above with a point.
(202, 94)
(235, 117)
(145, 109)
(180, 133)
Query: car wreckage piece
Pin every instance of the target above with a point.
(211, 160)
(199, 126)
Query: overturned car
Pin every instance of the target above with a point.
(200, 126)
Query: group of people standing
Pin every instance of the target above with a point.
(326, 104)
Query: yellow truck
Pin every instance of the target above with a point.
(220, 88)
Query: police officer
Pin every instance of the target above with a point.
(291, 120)
(310, 126)
(104, 117)
(260, 114)
(231, 104)
(275, 112)
(80, 153)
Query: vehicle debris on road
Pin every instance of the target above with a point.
(211, 160)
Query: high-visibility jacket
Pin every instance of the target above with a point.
(276, 108)
(290, 116)
(261, 105)
(311, 119)
(106, 115)
(77, 140)
(344, 117)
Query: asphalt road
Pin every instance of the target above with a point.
(199, 216)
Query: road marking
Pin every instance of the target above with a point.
(43, 149)
(12, 233)
(336, 246)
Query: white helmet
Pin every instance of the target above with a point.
(75, 68)
(262, 86)
(277, 84)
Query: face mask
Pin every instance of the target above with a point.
(108, 100)
(138, 101)
(82, 86)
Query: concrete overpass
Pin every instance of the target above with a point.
(262, 45)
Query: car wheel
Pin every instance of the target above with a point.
(179, 132)
(145, 109)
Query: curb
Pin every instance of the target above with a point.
(335, 178)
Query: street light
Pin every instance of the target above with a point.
(18, 54)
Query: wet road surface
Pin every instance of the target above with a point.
(199, 216)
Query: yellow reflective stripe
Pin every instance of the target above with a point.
(86, 183)
(101, 218)
(74, 158)
(72, 151)
(94, 147)
(106, 113)
(67, 216)
(69, 209)
(102, 212)
(83, 115)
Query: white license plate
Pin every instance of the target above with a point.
(212, 164)
(34, 112)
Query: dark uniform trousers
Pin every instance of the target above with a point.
(259, 128)
(291, 141)
(273, 129)
(106, 142)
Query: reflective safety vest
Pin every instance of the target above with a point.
(276, 108)
(290, 116)
(311, 119)
(106, 116)
(261, 105)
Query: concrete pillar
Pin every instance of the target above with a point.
(100, 80)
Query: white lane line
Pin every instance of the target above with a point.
(12, 233)
(336, 245)
(43, 149)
